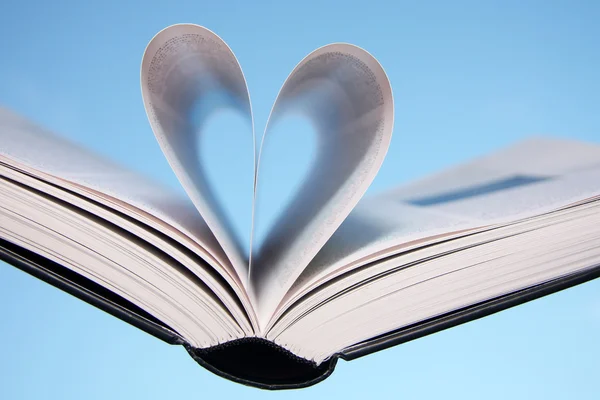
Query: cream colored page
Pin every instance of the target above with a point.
(345, 94)
(188, 73)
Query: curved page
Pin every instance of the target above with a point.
(32, 150)
(188, 73)
(530, 178)
(41, 153)
(345, 93)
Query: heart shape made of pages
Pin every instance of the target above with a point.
(340, 88)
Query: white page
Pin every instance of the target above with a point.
(538, 173)
(526, 161)
(572, 174)
(29, 147)
(412, 258)
(443, 284)
(382, 225)
(46, 156)
(346, 96)
(125, 267)
(188, 73)
(209, 271)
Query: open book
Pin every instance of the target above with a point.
(339, 275)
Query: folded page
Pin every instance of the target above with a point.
(344, 93)
(188, 74)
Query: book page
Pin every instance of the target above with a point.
(528, 161)
(530, 253)
(459, 201)
(28, 147)
(344, 93)
(160, 235)
(33, 150)
(529, 177)
(187, 75)
(106, 254)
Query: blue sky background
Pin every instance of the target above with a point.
(468, 78)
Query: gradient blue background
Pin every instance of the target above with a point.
(468, 78)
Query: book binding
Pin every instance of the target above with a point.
(258, 362)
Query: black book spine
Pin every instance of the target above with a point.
(86, 290)
(257, 362)
(251, 361)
